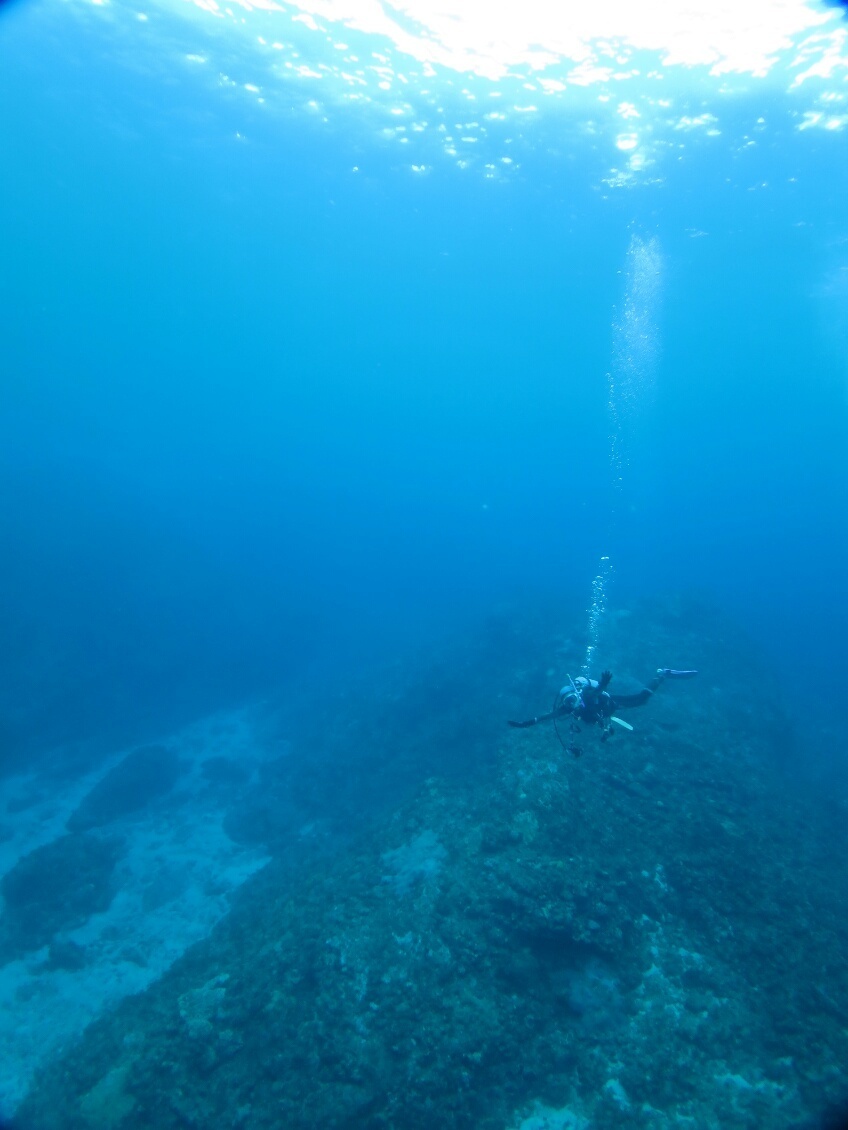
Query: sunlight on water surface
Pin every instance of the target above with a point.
(462, 83)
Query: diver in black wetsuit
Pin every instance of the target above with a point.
(588, 701)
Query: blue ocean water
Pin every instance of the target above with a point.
(259, 406)
(320, 346)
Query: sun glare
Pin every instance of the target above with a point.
(468, 80)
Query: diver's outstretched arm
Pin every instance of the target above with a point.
(532, 721)
(561, 710)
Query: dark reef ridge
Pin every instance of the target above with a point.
(56, 887)
(652, 935)
(138, 780)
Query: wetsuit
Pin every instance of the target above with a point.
(593, 704)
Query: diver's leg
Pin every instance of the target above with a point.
(623, 701)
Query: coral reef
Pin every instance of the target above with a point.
(650, 935)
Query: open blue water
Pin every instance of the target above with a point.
(320, 342)
(268, 392)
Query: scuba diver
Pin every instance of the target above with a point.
(588, 702)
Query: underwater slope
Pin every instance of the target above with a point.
(649, 935)
(107, 876)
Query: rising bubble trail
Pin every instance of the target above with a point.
(635, 350)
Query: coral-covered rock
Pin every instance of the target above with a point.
(56, 887)
(143, 776)
(649, 935)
